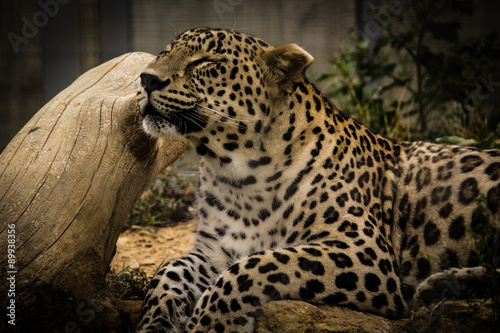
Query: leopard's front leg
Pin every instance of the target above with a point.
(332, 272)
(174, 291)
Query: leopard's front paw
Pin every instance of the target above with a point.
(451, 284)
(164, 313)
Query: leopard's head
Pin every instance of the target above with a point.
(209, 81)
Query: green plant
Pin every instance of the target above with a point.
(417, 68)
(128, 282)
(359, 86)
(360, 329)
(168, 198)
(490, 142)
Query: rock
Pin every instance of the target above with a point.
(446, 317)
(455, 317)
(301, 317)
(106, 313)
(112, 315)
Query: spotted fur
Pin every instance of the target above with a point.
(297, 200)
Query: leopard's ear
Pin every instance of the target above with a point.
(285, 64)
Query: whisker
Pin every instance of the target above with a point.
(216, 115)
(213, 113)
(195, 119)
(192, 117)
(195, 116)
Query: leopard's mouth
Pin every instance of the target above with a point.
(185, 121)
(150, 110)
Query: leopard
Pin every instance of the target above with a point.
(296, 200)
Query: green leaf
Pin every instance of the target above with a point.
(404, 38)
(324, 77)
(456, 140)
(487, 143)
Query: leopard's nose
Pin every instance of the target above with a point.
(151, 82)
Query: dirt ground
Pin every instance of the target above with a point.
(149, 247)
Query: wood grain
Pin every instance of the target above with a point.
(69, 178)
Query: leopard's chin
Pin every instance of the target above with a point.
(157, 125)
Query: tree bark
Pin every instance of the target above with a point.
(68, 180)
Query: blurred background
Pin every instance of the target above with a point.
(391, 64)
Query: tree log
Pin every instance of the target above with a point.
(68, 180)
